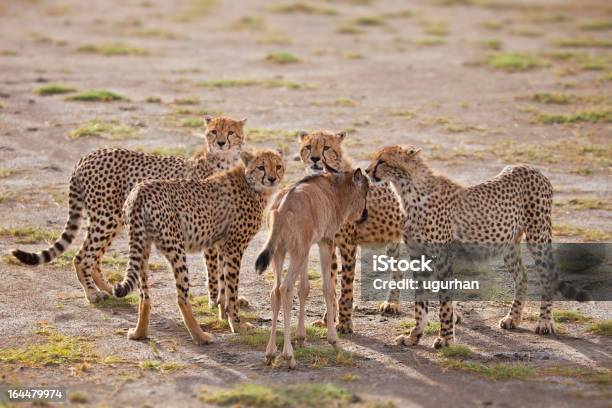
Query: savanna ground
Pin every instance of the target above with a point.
(477, 84)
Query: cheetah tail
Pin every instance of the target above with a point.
(570, 292)
(264, 258)
(75, 215)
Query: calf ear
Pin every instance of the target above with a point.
(246, 157)
(358, 176)
(411, 151)
(280, 152)
(340, 136)
(242, 121)
(301, 134)
(208, 119)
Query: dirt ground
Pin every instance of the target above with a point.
(418, 72)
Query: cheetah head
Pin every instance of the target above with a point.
(224, 135)
(393, 163)
(264, 169)
(321, 146)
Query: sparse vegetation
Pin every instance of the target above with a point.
(427, 41)
(282, 58)
(196, 9)
(249, 23)
(435, 27)
(456, 351)
(513, 61)
(112, 49)
(108, 129)
(97, 95)
(349, 29)
(584, 42)
(306, 395)
(585, 203)
(54, 89)
(209, 316)
(493, 372)
(369, 21)
(595, 25)
(494, 44)
(601, 376)
(269, 83)
(594, 115)
(587, 234)
(78, 398)
(29, 235)
(156, 33)
(192, 122)
(569, 316)
(431, 328)
(161, 366)
(114, 302)
(304, 8)
(603, 328)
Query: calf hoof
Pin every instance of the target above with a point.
(319, 323)
(458, 316)
(407, 340)
(290, 360)
(133, 334)
(389, 307)
(242, 302)
(270, 358)
(97, 296)
(300, 340)
(203, 338)
(345, 327)
(508, 323)
(545, 327)
(442, 342)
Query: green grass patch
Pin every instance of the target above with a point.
(29, 235)
(114, 302)
(303, 8)
(595, 25)
(587, 234)
(57, 349)
(156, 33)
(526, 32)
(513, 61)
(54, 89)
(595, 115)
(456, 351)
(492, 25)
(209, 317)
(282, 58)
(600, 376)
(306, 395)
(107, 129)
(585, 203)
(161, 366)
(240, 83)
(249, 23)
(584, 42)
(494, 44)
(345, 103)
(97, 95)
(188, 100)
(78, 398)
(603, 328)
(369, 21)
(430, 329)
(349, 29)
(493, 372)
(182, 151)
(112, 49)
(569, 316)
(435, 27)
(153, 99)
(192, 122)
(196, 9)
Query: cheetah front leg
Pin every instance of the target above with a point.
(232, 256)
(542, 255)
(212, 271)
(446, 337)
(348, 253)
(391, 305)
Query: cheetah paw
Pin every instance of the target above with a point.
(442, 342)
(345, 327)
(133, 334)
(545, 327)
(243, 326)
(97, 296)
(389, 307)
(407, 340)
(203, 338)
(508, 323)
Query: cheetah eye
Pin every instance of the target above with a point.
(381, 162)
(262, 168)
(308, 147)
(213, 132)
(278, 167)
(231, 133)
(325, 148)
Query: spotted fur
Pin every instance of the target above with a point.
(102, 180)
(182, 216)
(515, 203)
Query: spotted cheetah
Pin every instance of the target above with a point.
(181, 216)
(101, 182)
(384, 224)
(515, 203)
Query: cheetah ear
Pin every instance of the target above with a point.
(301, 134)
(246, 157)
(280, 152)
(358, 176)
(341, 135)
(208, 119)
(242, 121)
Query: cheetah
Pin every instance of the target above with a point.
(181, 216)
(515, 203)
(311, 212)
(102, 180)
(384, 225)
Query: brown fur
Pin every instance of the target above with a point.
(311, 212)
